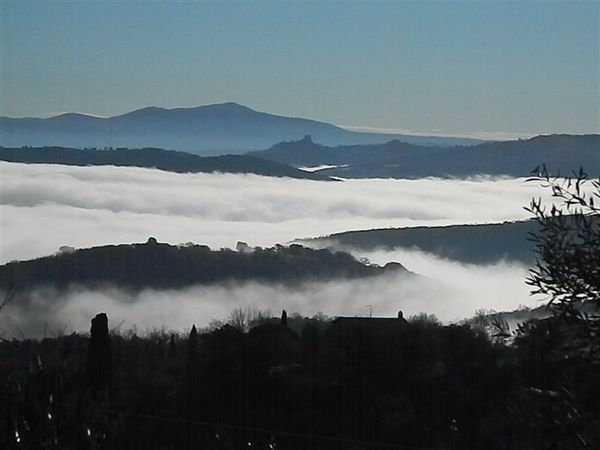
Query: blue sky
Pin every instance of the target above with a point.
(454, 68)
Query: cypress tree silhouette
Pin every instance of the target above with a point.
(193, 343)
(98, 369)
(172, 345)
(284, 318)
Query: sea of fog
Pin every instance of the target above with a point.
(43, 207)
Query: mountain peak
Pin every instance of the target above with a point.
(226, 107)
(229, 105)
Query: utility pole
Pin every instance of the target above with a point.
(370, 308)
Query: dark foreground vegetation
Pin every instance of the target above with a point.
(304, 383)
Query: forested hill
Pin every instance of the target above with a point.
(163, 266)
(395, 159)
(477, 244)
(167, 160)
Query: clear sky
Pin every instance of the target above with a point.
(457, 68)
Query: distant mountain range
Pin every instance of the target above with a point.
(155, 158)
(233, 128)
(473, 244)
(396, 159)
(560, 153)
(205, 130)
(163, 266)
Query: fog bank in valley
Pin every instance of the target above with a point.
(45, 206)
(447, 289)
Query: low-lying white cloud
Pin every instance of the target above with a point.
(450, 290)
(466, 287)
(320, 167)
(43, 207)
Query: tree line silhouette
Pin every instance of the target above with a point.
(296, 382)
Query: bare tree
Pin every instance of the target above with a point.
(567, 270)
(246, 317)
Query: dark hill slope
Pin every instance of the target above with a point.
(395, 159)
(162, 266)
(475, 244)
(155, 158)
